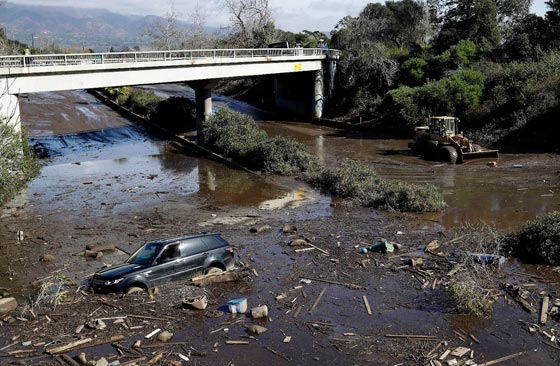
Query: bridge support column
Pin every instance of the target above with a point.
(318, 95)
(9, 108)
(203, 96)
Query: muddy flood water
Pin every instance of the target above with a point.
(109, 180)
(518, 189)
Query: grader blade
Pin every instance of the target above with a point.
(480, 154)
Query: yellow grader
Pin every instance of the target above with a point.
(441, 141)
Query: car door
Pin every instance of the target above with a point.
(193, 254)
(165, 266)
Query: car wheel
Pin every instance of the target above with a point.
(214, 270)
(134, 290)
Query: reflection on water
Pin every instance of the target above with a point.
(125, 182)
(503, 195)
(116, 167)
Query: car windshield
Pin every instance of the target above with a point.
(145, 255)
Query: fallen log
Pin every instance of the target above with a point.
(511, 291)
(228, 276)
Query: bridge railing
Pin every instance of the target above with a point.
(153, 56)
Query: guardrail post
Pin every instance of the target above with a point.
(102, 59)
(65, 60)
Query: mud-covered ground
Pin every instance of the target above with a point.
(399, 298)
(124, 187)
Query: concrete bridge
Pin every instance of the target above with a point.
(201, 69)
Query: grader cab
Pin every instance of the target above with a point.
(441, 140)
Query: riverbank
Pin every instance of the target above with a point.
(128, 192)
(334, 327)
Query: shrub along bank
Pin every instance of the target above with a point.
(238, 137)
(360, 182)
(472, 288)
(538, 241)
(18, 163)
(174, 113)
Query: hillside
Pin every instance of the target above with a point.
(98, 29)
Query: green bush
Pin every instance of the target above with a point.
(237, 136)
(359, 182)
(143, 102)
(284, 156)
(521, 104)
(139, 101)
(454, 95)
(463, 53)
(400, 106)
(18, 164)
(233, 134)
(539, 240)
(414, 70)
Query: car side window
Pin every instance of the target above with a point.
(169, 253)
(213, 242)
(193, 246)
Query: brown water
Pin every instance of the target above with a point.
(76, 127)
(100, 158)
(518, 189)
(106, 175)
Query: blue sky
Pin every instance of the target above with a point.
(292, 15)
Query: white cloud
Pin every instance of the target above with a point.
(292, 15)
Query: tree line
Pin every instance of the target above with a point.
(490, 62)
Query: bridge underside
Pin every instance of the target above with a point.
(58, 80)
(202, 77)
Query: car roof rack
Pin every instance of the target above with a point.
(179, 238)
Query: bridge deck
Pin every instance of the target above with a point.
(30, 64)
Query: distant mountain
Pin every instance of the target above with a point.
(78, 28)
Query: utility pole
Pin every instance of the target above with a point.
(32, 41)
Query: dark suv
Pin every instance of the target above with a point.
(161, 261)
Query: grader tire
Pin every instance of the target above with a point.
(430, 150)
(448, 154)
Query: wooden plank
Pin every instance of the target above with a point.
(303, 250)
(502, 359)
(319, 249)
(366, 303)
(411, 336)
(544, 310)
(524, 303)
(66, 347)
(317, 301)
(238, 342)
(345, 284)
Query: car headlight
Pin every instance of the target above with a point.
(113, 282)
